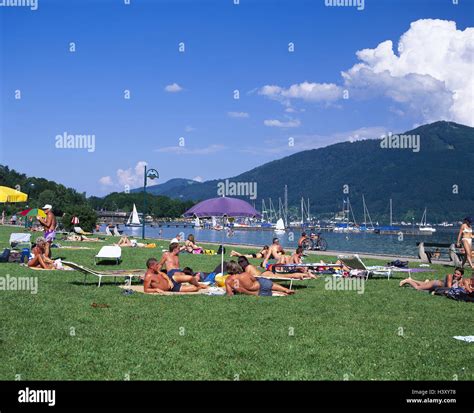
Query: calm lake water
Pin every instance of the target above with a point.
(356, 242)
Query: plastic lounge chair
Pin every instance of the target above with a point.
(116, 232)
(107, 232)
(317, 267)
(109, 252)
(20, 240)
(354, 262)
(80, 231)
(87, 271)
(291, 280)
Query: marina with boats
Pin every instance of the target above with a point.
(278, 220)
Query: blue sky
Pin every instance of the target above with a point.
(227, 47)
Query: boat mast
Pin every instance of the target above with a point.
(302, 211)
(286, 205)
(365, 217)
(368, 214)
(390, 211)
(271, 209)
(349, 209)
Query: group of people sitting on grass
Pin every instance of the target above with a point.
(165, 275)
(189, 245)
(274, 252)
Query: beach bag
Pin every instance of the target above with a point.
(456, 293)
(398, 264)
(5, 255)
(219, 251)
(150, 245)
(210, 278)
(209, 252)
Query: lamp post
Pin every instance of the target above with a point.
(151, 174)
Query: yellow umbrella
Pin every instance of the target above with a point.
(12, 195)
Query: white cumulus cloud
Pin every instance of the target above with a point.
(292, 123)
(173, 88)
(132, 177)
(238, 114)
(430, 75)
(106, 181)
(312, 92)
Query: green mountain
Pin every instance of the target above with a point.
(438, 176)
(173, 186)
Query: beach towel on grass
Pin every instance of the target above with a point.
(468, 339)
(51, 269)
(71, 247)
(139, 289)
(209, 291)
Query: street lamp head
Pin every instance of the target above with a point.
(152, 174)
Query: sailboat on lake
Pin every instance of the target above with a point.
(133, 219)
(424, 226)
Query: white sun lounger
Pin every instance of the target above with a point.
(109, 252)
(20, 240)
(354, 262)
(107, 274)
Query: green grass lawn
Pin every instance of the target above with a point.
(317, 334)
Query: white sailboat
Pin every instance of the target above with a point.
(133, 219)
(280, 226)
(424, 226)
(367, 226)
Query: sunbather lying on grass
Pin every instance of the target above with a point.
(455, 280)
(259, 254)
(126, 242)
(245, 283)
(77, 237)
(40, 260)
(158, 282)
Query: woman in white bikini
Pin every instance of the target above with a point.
(465, 240)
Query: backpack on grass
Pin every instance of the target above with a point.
(5, 255)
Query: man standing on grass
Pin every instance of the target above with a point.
(49, 227)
